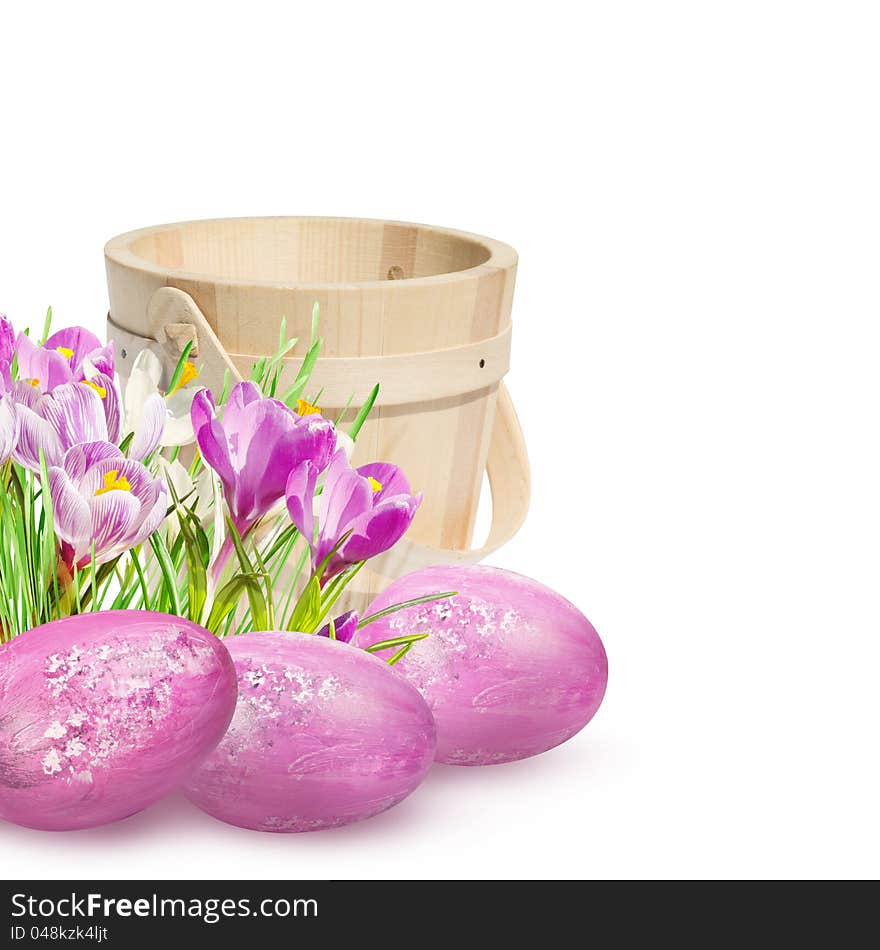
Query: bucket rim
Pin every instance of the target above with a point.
(118, 249)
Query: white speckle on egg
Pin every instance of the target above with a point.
(74, 748)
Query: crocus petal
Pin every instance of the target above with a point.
(8, 427)
(76, 413)
(110, 401)
(203, 409)
(344, 627)
(243, 395)
(102, 360)
(299, 493)
(211, 438)
(35, 433)
(80, 458)
(389, 476)
(345, 496)
(143, 382)
(280, 443)
(380, 529)
(7, 352)
(78, 340)
(73, 521)
(138, 477)
(152, 425)
(48, 367)
(176, 475)
(7, 338)
(113, 515)
(88, 355)
(153, 517)
(178, 426)
(26, 395)
(144, 485)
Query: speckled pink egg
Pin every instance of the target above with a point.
(323, 735)
(104, 713)
(510, 668)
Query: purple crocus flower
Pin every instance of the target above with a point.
(7, 352)
(70, 355)
(8, 427)
(86, 411)
(372, 504)
(101, 498)
(345, 626)
(255, 447)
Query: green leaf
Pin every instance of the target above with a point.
(227, 385)
(166, 566)
(243, 560)
(201, 538)
(401, 653)
(282, 332)
(256, 598)
(258, 369)
(319, 570)
(393, 609)
(363, 412)
(292, 582)
(344, 411)
(47, 326)
(125, 444)
(302, 377)
(336, 587)
(178, 370)
(50, 543)
(316, 317)
(286, 535)
(227, 598)
(127, 589)
(196, 573)
(396, 642)
(267, 580)
(308, 608)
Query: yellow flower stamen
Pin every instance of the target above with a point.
(34, 382)
(374, 483)
(100, 390)
(304, 408)
(112, 482)
(187, 376)
(65, 351)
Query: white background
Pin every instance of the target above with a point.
(694, 191)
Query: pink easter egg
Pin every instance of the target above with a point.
(104, 713)
(509, 669)
(323, 735)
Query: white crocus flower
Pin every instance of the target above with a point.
(144, 382)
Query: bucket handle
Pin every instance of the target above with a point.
(175, 319)
(507, 466)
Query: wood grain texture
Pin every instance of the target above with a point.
(385, 290)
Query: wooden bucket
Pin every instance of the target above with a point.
(423, 311)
